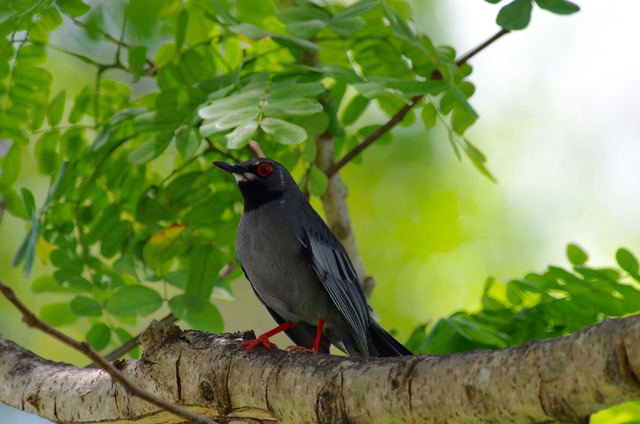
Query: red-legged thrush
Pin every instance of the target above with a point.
(298, 268)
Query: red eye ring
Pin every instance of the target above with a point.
(264, 169)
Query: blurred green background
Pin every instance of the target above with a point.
(559, 125)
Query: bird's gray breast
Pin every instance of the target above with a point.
(268, 248)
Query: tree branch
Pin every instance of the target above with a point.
(31, 320)
(399, 116)
(565, 379)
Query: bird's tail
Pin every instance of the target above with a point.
(385, 344)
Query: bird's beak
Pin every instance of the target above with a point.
(229, 167)
(238, 172)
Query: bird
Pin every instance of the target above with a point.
(299, 270)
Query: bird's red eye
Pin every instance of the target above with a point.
(264, 169)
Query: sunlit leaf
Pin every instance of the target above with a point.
(74, 8)
(283, 132)
(576, 255)
(627, 261)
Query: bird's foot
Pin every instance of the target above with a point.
(300, 348)
(264, 341)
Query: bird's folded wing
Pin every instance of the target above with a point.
(332, 267)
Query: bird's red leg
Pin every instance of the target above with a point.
(316, 342)
(263, 339)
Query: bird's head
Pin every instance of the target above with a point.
(260, 181)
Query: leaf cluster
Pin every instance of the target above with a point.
(552, 303)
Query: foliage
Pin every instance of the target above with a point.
(553, 303)
(179, 84)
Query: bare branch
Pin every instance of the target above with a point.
(31, 320)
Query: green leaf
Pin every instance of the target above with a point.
(57, 314)
(283, 132)
(318, 181)
(306, 29)
(230, 119)
(150, 149)
(559, 7)
(81, 105)
(398, 23)
(627, 261)
(476, 331)
(296, 89)
(31, 55)
(477, 158)
(187, 142)
(74, 8)
(243, 100)
(56, 109)
(134, 300)
(249, 30)
(166, 243)
(290, 107)
(356, 9)
(165, 55)
(85, 306)
(461, 120)
(429, 115)
(10, 166)
(179, 278)
(516, 15)
(197, 312)
(181, 27)
(356, 107)
(29, 201)
(73, 143)
(239, 137)
(346, 26)
(48, 284)
(137, 60)
(310, 151)
(72, 282)
(295, 43)
(98, 336)
(203, 272)
(576, 255)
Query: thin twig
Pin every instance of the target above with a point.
(465, 58)
(31, 320)
(399, 116)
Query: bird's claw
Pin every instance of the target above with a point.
(249, 345)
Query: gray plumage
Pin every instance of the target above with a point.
(298, 268)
